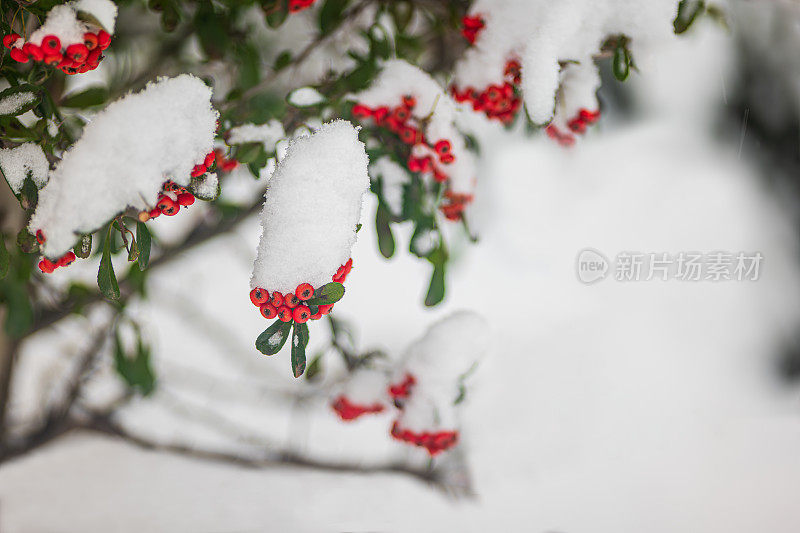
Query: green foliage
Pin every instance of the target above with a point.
(143, 244)
(299, 343)
(273, 338)
(93, 96)
(106, 279)
(135, 368)
(328, 294)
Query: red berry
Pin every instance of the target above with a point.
(33, 51)
(10, 39)
(77, 52)
(209, 160)
(277, 299)
(301, 314)
(361, 111)
(46, 266)
(103, 39)
(51, 44)
(198, 170)
(259, 296)
(66, 259)
(186, 198)
(290, 300)
(90, 40)
(442, 147)
(409, 101)
(154, 213)
(167, 206)
(40, 236)
(284, 314)
(400, 114)
(447, 158)
(315, 316)
(268, 311)
(52, 59)
(325, 309)
(18, 55)
(380, 113)
(304, 291)
(408, 135)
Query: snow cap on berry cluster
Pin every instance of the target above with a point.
(63, 22)
(447, 352)
(311, 209)
(365, 386)
(397, 79)
(543, 34)
(123, 158)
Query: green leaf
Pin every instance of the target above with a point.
(283, 60)
(688, 10)
(106, 279)
(331, 15)
(84, 247)
(143, 244)
(29, 195)
(20, 313)
(384, 231)
(436, 288)
(27, 242)
(247, 153)
(299, 343)
(93, 96)
(137, 371)
(91, 19)
(19, 99)
(621, 63)
(273, 338)
(401, 11)
(314, 368)
(3, 257)
(277, 17)
(328, 294)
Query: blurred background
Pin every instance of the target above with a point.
(618, 406)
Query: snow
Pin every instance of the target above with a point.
(311, 209)
(206, 187)
(123, 158)
(11, 104)
(268, 134)
(543, 33)
(393, 177)
(25, 160)
(399, 78)
(365, 387)
(305, 96)
(104, 11)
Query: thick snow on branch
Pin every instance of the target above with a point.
(543, 34)
(24, 161)
(123, 158)
(433, 109)
(267, 134)
(311, 209)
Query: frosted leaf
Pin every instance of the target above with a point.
(15, 102)
(311, 209)
(24, 161)
(206, 187)
(305, 96)
(123, 158)
(267, 134)
(104, 11)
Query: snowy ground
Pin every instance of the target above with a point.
(647, 406)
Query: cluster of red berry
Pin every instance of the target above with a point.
(348, 410)
(223, 163)
(47, 266)
(435, 442)
(401, 121)
(290, 306)
(472, 26)
(402, 390)
(173, 196)
(299, 5)
(75, 58)
(577, 124)
(500, 102)
(456, 203)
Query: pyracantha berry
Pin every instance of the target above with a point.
(77, 52)
(90, 40)
(304, 291)
(348, 410)
(66, 259)
(198, 171)
(18, 55)
(53, 59)
(442, 147)
(10, 39)
(290, 300)
(409, 101)
(276, 299)
(301, 314)
(154, 213)
(284, 314)
(40, 236)
(47, 266)
(33, 51)
(325, 309)
(185, 198)
(269, 312)
(343, 271)
(167, 206)
(403, 389)
(315, 316)
(259, 296)
(361, 111)
(209, 160)
(103, 39)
